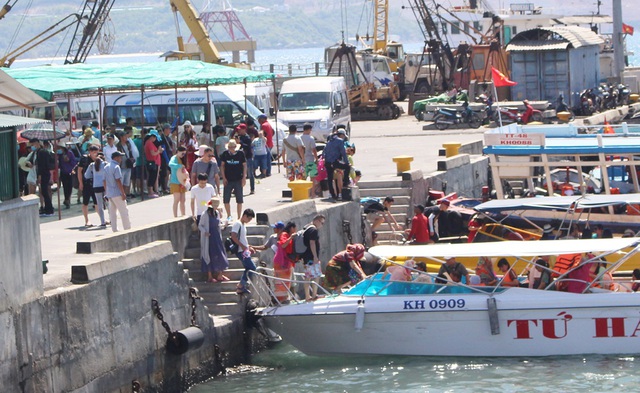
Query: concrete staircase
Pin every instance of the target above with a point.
(221, 298)
(401, 209)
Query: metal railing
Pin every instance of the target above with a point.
(264, 284)
(292, 69)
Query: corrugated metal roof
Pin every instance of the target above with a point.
(575, 35)
(526, 46)
(584, 19)
(7, 121)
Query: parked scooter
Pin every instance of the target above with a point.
(561, 106)
(530, 113)
(507, 114)
(586, 103)
(444, 117)
(623, 94)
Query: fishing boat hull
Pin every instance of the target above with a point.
(525, 323)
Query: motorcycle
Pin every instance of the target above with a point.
(561, 106)
(444, 117)
(507, 114)
(586, 103)
(623, 94)
(530, 113)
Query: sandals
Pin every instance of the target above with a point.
(223, 278)
(212, 280)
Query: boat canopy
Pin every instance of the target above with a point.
(507, 248)
(47, 81)
(563, 203)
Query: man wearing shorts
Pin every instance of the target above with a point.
(310, 158)
(311, 256)
(233, 168)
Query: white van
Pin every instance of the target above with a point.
(321, 101)
(84, 111)
(161, 107)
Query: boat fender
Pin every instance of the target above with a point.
(359, 315)
(494, 322)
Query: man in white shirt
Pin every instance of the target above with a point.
(200, 195)
(244, 250)
(114, 191)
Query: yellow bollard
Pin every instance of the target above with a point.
(403, 163)
(634, 97)
(451, 148)
(299, 189)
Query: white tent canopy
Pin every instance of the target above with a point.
(13, 95)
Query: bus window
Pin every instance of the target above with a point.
(230, 112)
(196, 114)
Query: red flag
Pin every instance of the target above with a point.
(499, 79)
(607, 127)
(626, 29)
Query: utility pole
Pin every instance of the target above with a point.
(618, 41)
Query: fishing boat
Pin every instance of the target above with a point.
(380, 317)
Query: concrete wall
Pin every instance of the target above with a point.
(464, 174)
(101, 336)
(20, 256)
(176, 230)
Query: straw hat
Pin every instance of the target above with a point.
(22, 162)
(213, 203)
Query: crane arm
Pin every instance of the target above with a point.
(6, 8)
(380, 25)
(9, 58)
(197, 29)
(95, 12)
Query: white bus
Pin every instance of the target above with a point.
(161, 107)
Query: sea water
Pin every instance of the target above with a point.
(284, 369)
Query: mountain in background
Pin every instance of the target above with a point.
(148, 25)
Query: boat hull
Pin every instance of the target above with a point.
(530, 323)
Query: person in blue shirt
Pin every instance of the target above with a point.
(335, 157)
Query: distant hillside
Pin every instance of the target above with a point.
(148, 25)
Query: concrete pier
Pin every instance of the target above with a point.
(88, 326)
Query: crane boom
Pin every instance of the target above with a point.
(10, 57)
(197, 29)
(380, 25)
(94, 13)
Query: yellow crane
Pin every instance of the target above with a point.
(381, 43)
(206, 52)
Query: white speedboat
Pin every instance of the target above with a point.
(409, 318)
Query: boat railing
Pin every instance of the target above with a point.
(293, 69)
(275, 291)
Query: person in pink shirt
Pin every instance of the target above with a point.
(153, 154)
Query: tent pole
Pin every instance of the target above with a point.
(101, 103)
(276, 133)
(55, 167)
(144, 173)
(209, 115)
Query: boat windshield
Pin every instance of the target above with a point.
(376, 286)
(307, 101)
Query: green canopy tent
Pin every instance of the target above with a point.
(59, 80)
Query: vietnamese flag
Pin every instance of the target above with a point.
(499, 79)
(626, 29)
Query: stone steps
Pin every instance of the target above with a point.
(389, 235)
(220, 298)
(384, 192)
(365, 185)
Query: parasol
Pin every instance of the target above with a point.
(42, 133)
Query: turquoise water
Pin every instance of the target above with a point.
(284, 369)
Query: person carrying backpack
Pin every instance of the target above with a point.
(307, 246)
